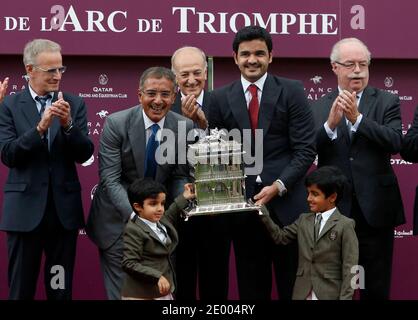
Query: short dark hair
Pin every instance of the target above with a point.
(142, 189)
(252, 33)
(158, 73)
(328, 179)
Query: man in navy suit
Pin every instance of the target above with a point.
(203, 250)
(43, 134)
(358, 129)
(279, 109)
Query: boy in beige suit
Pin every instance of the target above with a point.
(328, 246)
(149, 241)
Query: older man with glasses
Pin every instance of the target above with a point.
(43, 134)
(358, 129)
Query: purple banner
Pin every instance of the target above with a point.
(109, 84)
(128, 28)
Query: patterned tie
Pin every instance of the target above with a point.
(167, 239)
(42, 100)
(152, 145)
(253, 107)
(317, 226)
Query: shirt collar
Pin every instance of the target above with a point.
(259, 83)
(152, 225)
(326, 214)
(199, 99)
(148, 122)
(34, 94)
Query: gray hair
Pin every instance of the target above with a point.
(197, 50)
(158, 73)
(335, 52)
(37, 46)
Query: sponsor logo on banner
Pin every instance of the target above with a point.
(399, 161)
(96, 127)
(102, 91)
(389, 82)
(403, 234)
(316, 91)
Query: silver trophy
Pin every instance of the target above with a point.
(218, 170)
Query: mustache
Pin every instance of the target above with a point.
(360, 75)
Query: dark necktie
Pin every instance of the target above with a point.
(152, 145)
(42, 101)
(317, 226)
(253, 107)
(167, 239)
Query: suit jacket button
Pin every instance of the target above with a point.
(351, 158)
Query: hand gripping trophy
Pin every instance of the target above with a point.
(217, 165)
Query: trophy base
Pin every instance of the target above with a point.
(220, 208)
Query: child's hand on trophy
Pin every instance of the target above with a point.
(188, 193)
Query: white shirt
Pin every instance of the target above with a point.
(260, 85)
(155, 229)
(199, 99)
(38, 104)
(148, 123)
(325, 217)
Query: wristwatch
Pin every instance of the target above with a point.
(68, 127)
(281, 187)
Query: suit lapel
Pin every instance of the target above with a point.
(136, 134)
(310, 222)
(206, 102)
(170, 123)
(367, 102)
(331, 222)
(236, 100)
(271, 93)
(29, 109)
(147, 229)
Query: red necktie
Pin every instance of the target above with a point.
(253, 107)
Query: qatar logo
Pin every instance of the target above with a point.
(102, 114)
(389, 82)
(316, 79)
(103, 79)
(92, 192)
(88, 162)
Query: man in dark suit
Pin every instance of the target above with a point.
(203, 250)
(358, 129)
(409, 152)
(279, 109)
(43, 133)
(125, 155)
(3, 88)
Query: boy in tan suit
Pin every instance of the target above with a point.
(149, 241)
(328, 246)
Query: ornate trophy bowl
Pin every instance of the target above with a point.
(218, 170)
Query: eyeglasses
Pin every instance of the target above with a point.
(351, 65)
(152, 94)
(53, 70)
